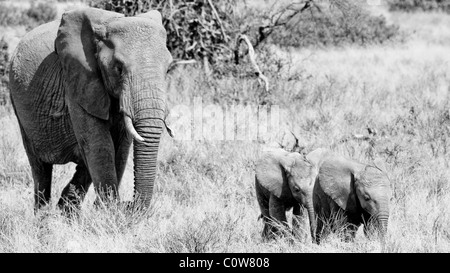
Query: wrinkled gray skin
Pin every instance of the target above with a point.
(283, 181)
(82, 89)
(361, 192)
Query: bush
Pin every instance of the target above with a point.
(194, 29)
(31, 17)
(42, 13)
(13, 16)
(4, 64)
(206, 31)
(333, 27)
(419, 5)
(196, 32)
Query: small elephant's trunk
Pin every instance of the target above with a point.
(383, 224)
(312, 218)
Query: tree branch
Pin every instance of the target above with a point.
(251, 54)
(216, 15)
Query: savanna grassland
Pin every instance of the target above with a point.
(387, 101)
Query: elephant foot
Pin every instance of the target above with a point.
(70, 201)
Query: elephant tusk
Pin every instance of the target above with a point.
(169, 130)
(131, 130)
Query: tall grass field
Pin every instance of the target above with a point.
(388, 101)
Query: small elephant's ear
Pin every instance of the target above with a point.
(380, 164)
(76, 46)
(271, 174)
(153, 15)
(288, 162)
(336, 180)
(315, 157)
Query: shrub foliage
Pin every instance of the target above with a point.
(205, 29)
(333, 27)
(420, 5)
(196, 29)
(42, 12)
(4, 63)
(36, 14)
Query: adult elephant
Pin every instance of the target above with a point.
(361, 192)
(82, 88)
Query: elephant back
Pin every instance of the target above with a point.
(31, 51)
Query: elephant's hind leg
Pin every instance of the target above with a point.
(74, 193)
(41, 172)
(42, 176)
(350, 232)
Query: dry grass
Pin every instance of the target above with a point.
(204, 198)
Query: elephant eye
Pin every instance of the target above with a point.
(296, 189)
(366, 197)
(118, 69)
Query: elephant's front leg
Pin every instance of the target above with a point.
(97, 149)
(41, 172)
(263, 196)
(42, 176)
(122, 143)
(319, 233)
(277, 211)
(350, 232)
(297, 220)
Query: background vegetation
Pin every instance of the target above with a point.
(420, 5)
(38, 13)
(199, 29)
(365, 100)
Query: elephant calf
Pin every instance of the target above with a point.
(283, 181)
(361, 192)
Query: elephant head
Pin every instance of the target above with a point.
(357, 188)
(290, 177)
(106, 56)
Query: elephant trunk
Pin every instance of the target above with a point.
(312, 218)
(383, 223)
(148, 113)
(145, 155)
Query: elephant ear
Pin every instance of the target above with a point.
(153, 15)
(271, 174)
(76, 46)
(317, 156)
(336, 178)
(380, 164)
